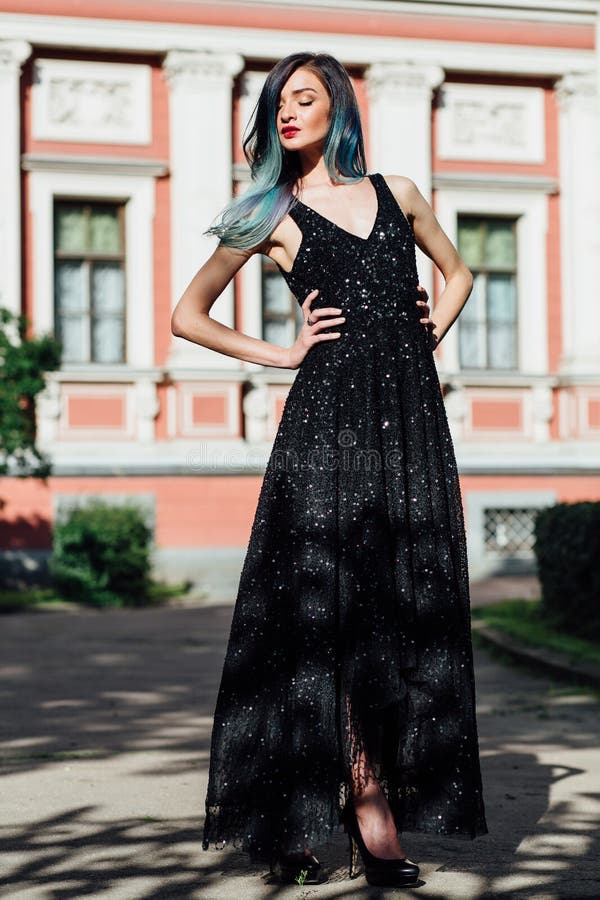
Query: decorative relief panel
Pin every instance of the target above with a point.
(91, 102)
(489, 122)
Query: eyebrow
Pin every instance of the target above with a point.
(302, 90)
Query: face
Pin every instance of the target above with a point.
(303, 113)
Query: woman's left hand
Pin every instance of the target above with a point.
(425, 319)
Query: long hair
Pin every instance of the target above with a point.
(250, 218)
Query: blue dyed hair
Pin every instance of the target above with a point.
(250, 218)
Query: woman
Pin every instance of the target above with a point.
(347, 692)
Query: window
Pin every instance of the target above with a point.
(488, 323)
(509, 532)
(281, 313)
(89, 280)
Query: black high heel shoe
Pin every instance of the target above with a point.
(291, 866)
(378, 872)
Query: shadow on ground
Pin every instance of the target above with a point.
(105, 728)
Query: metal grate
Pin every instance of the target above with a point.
(509, 532)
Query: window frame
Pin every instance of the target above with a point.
(267, 265)
(485, 271)
(529, 205)
(137, 192)
(88, 258)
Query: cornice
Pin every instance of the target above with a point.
(358, 49)
(94, 165)
(494, 182)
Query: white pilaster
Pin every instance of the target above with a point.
(12, 56)
(400, 97)
(251, 276)
(579, 134)
(146, 408)
(200, 84)
(542, 411)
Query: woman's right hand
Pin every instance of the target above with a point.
(312, 334)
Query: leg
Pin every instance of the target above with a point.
(373, 812)
(374, 816)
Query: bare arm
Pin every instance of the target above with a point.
(434, 242)
(191, 319)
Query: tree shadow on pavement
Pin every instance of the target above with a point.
(131, 693)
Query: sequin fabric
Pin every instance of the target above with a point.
(349, 654)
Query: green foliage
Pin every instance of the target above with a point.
(527, 621)
(12, 600)
(301, 878)
(101, 555)
(567, 548)
(23, 362)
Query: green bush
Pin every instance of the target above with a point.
(567, 549)
(101, 555)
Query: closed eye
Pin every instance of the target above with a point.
(305, 103)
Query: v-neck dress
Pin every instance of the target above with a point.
(350, 654)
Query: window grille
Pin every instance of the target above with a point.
(509, 532)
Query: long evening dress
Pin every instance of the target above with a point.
(350, 637)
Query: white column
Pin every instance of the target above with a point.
(200, 118)
(12, 56)
(400, 97)
(579, 135)
(252, 83)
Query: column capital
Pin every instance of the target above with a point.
(403, 77)
(201, 66)
(252, 83)
(576, 87)
(12, 56)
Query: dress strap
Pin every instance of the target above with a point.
(297, 212)
(386, 195)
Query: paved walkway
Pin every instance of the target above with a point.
(104, 737)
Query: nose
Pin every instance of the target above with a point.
(285, 115)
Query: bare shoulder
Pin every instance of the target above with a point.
(406, 193)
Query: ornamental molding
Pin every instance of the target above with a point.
(12, 56)
(202, 68)
(497, 123)
(94, 165)
(577, 88)
(465, 181)
(403, 78)
(99, 102)
(252, 84)
(267, 44)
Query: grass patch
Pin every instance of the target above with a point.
(42, 598)
(159, 591)
(15, 601)
(525, 621)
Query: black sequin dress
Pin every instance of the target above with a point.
(350, 640)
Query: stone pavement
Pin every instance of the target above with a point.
(104, 740)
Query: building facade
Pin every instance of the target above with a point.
(121, 140)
